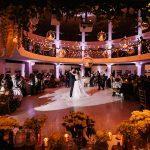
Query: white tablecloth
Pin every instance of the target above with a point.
(86, 80)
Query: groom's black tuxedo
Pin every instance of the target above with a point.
(72, 80)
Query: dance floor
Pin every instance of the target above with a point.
(107, 111)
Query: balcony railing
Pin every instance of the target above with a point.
(49, 49)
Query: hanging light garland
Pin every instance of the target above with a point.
(101, 36)
(144, 26)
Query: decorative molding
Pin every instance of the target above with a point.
(30, 55)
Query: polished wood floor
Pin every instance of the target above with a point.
(107, 116)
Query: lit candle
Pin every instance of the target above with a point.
(45, 142)
(66, 137)
(110, 135)
(15, 40)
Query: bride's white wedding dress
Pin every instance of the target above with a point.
(78, 90)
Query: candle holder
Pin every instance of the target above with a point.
(66, 136)
(46, 142)
(110, 135)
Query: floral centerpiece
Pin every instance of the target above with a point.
(35, 123)
(57, 141)
(100, 140)
(8, 123)
(80, 125)
(136, 130)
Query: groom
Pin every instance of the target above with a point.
(72, 80)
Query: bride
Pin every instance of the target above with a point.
(78, 90)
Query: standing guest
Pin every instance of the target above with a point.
(67, 79)
(108, 83)
(38, 83)
(72, 80)
(9, 83)
(103, 80)
(92, 80)
(99, 80)
(32, 84)
(23, 86)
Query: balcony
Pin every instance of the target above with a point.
(36, 47)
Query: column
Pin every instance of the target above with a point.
(140, 68)
(57, 66)
(57, 41)
(82, 70)
(139, 30)
(3, 66)
(99, 69)
(109, 67)
(57, 32)
(28, 67)
(109, 38)
(23, 70)
(83, 43)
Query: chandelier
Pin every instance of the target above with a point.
(87, 62)
(124, 43)
(127, 45)
(144, 26)
(101, 36)
(50, 35)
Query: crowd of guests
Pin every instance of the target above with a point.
(16, 87)
(126, 85)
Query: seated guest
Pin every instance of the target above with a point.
(116, 86)
(16, 89)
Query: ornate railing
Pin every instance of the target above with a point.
(39, 48)
(71, 53)
(40, 45)
(99, 53)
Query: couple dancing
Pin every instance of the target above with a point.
(77, 89)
